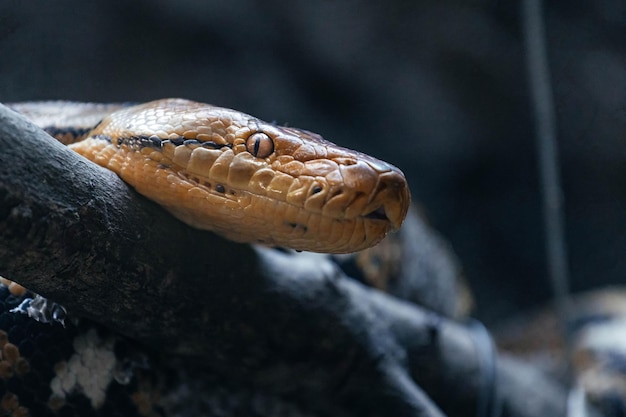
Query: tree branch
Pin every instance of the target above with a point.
(291, 323)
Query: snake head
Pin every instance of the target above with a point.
(248, 180)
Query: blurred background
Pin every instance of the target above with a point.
(437, 88)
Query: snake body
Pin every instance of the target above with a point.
(231, 173)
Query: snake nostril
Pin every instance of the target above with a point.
(317, 189)
(378, 214)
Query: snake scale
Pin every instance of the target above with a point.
(231, 173)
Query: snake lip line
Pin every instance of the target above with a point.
(378, 214)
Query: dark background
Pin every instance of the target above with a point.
(438, 88)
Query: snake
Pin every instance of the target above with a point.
(225, 171)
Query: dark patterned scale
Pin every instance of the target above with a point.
(51, 369)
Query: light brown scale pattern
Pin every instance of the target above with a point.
(308, 194)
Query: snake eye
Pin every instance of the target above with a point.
(260, 145)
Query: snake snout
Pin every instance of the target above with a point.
(390, 200)
(373, 190)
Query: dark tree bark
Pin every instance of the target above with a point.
(291, 323)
